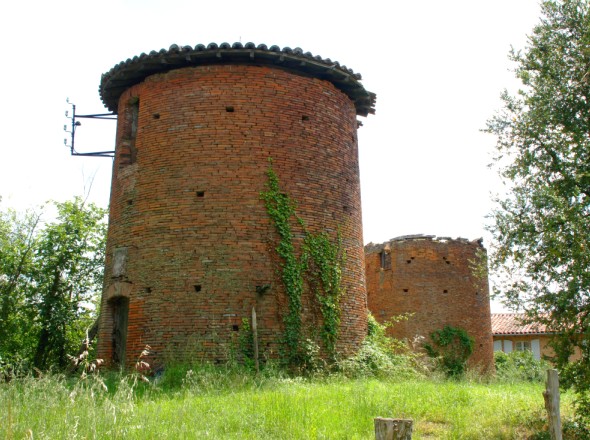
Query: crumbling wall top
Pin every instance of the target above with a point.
(134, 70)
(372, 247)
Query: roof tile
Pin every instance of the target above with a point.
(514, 324)
(126, 73)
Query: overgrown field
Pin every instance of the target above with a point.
(231, 404)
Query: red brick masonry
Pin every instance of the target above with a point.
(433, 279)
(189, 238)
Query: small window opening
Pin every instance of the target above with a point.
(156, 115)
(445, 291)
(408, 261)
(197, 287)
(305, 118)
(148, 290)
(200, 193)
(129, 202)
(229, 109)
(235, 327)
(406, 290)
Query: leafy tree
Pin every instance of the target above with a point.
(49, 281)
(17, 247)
(541, 227)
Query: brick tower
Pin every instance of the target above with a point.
(433, 278)
(190, 245)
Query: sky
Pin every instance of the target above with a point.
(438, 69)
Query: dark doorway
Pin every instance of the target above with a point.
(120, 311)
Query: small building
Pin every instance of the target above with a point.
(510, 334)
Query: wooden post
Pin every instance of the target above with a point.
(255, 339)
(551, 396)
(393, 429)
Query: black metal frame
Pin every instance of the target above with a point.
(75, 123)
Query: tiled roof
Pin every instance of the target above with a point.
(512, 324)
(136, 69)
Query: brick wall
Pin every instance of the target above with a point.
(431, 278)
(189, 238)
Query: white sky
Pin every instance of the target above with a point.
(437, 67)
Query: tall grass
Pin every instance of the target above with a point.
(229, 403)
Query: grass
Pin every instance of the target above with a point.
(231, 404)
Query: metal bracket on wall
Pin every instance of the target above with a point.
(76, 123)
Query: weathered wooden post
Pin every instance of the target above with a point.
(393, 429)
(551, 396)
(255, 339)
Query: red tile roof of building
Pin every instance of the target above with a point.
(512, 324)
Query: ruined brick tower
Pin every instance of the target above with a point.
(190, 245)
(435, 279)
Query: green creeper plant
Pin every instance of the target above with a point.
(453, 346)
(319, 266)
(281, 210)
(324, 260)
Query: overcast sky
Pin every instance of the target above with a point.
(437, 67)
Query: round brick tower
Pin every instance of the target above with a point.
(190, 246)
(438, 281)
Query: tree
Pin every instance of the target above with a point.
(17, 244)
(49, 282)
(541, 226)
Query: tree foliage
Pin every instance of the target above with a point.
(50, 277)
(541, 227)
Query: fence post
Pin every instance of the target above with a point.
(551, 396)
(255, 339)
(393, 429)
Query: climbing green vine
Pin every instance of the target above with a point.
(281, 209)
(324, 261)
(453, 346)
(319, 267)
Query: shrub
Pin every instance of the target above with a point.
(452, 346)
(520, 366)
(381, 355)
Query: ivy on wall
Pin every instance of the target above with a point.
(319, 266)
(453, 346)
(324, 260)
(281, 209)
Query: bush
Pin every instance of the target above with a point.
(520, 366)
(452, 346)
(381, 355)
